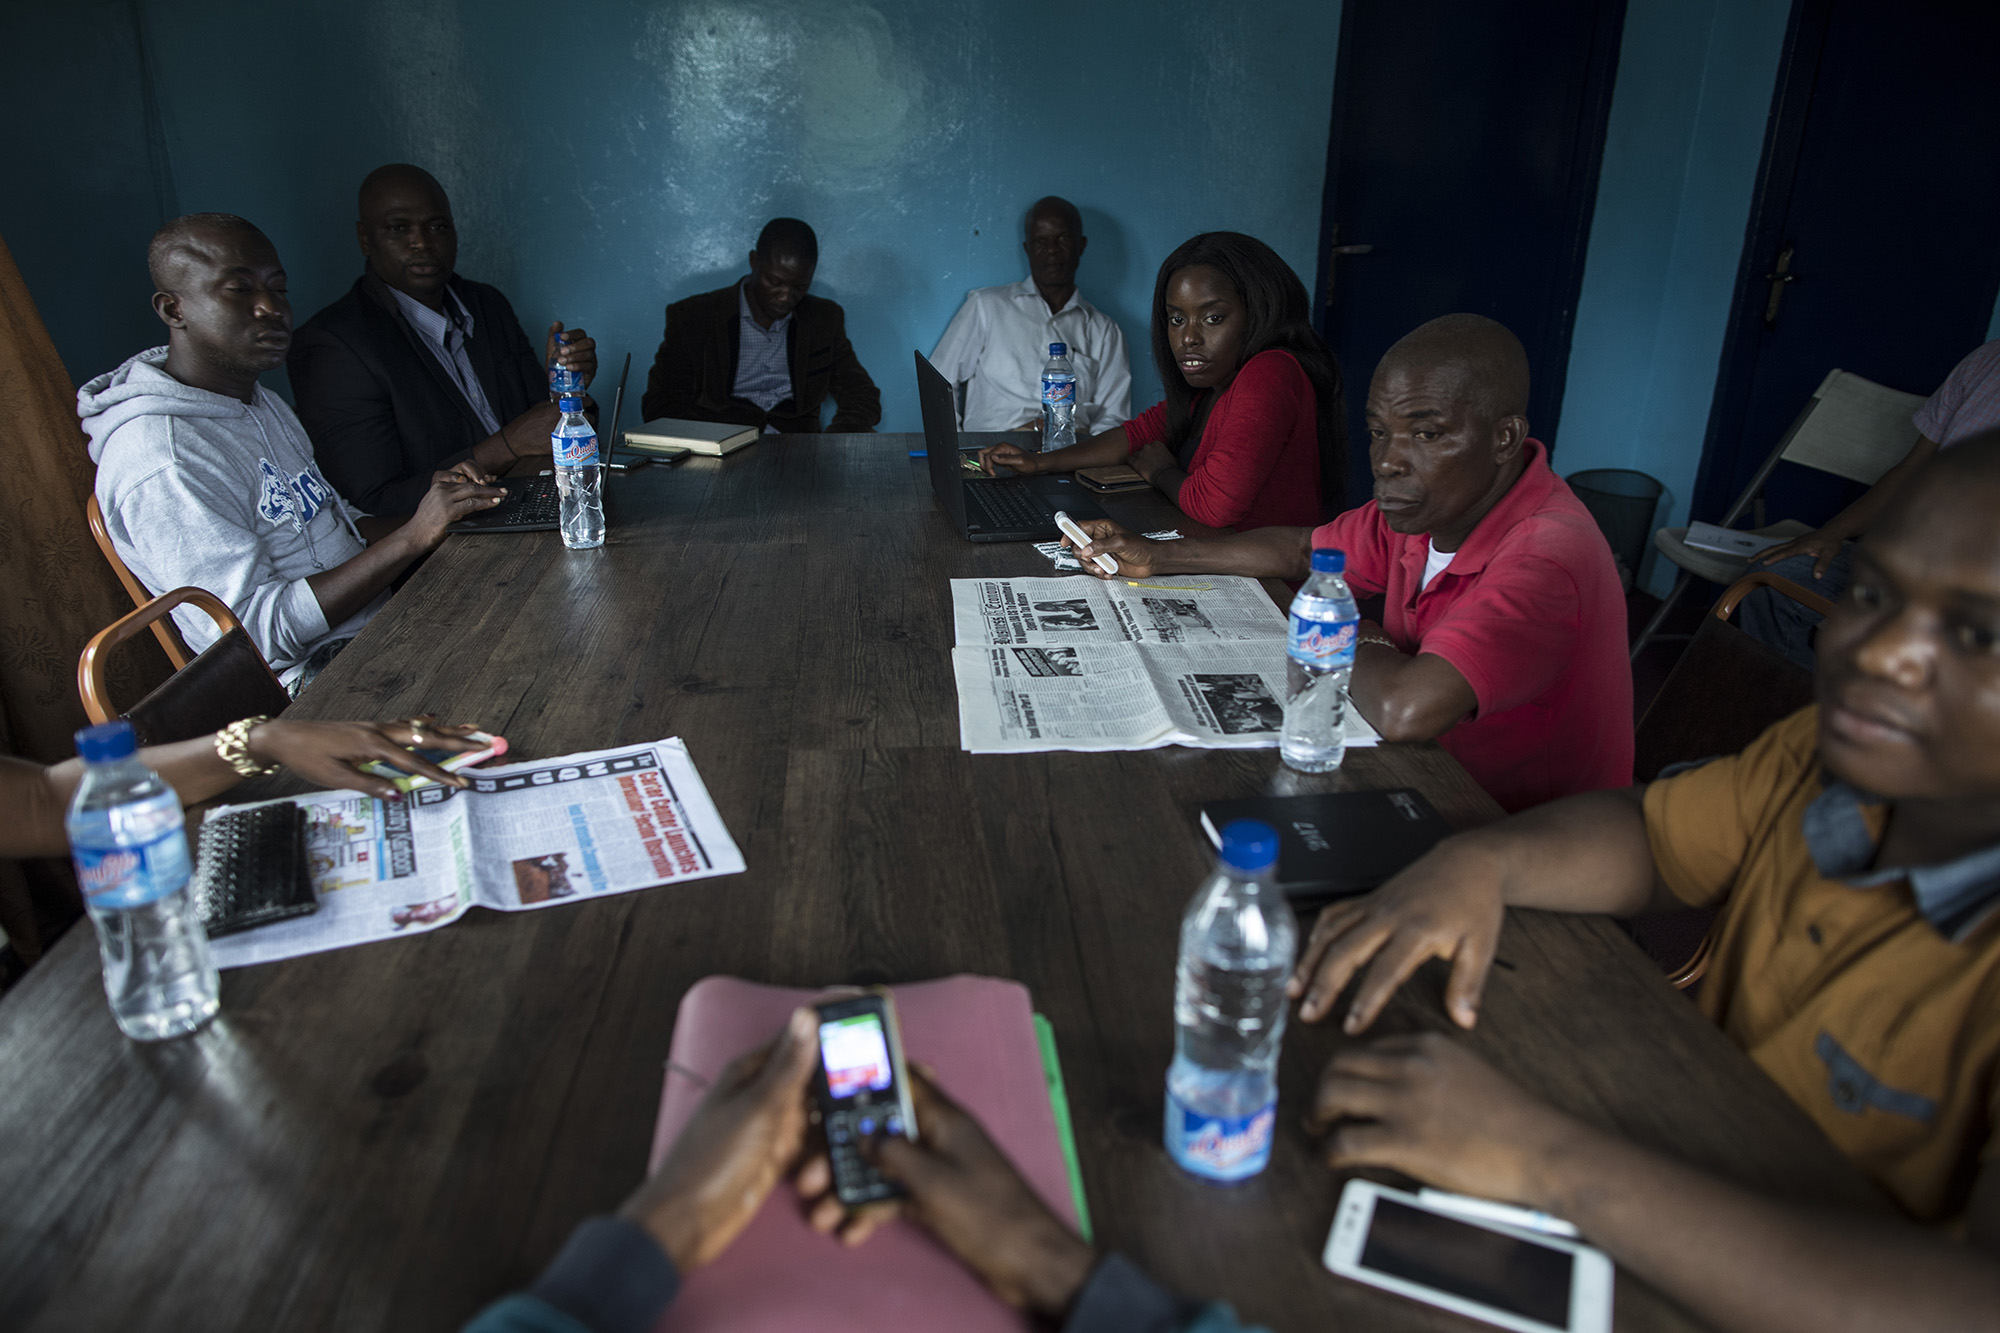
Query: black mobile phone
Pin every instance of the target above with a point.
(862, 1090)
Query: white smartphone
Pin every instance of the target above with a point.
(1512, 1277)
(1105, 560)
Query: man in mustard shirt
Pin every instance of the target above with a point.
(1854, 853)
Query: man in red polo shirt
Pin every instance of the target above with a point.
(1504, 633)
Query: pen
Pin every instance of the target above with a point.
(1491, 1210)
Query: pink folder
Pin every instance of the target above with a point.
(780, 1276)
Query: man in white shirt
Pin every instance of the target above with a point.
(999, 340)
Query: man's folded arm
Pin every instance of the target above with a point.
(857, 401)
(673, 384)
(1111, 396)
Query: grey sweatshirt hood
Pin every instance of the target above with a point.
(142, 387)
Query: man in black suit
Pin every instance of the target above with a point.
(416, 369)
(762, 352)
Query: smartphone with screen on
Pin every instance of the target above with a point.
(1512, 1277)
(448, 760)
(861, 1090)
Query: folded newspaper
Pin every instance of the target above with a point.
(1084, 664)
(524, 836)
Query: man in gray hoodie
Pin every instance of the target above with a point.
(206, 478)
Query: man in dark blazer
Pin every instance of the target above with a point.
(762, 352)
(417, 369)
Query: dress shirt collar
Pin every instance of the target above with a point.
(434, 324)
(1954, 897)
(1025, 290)
(750, 320)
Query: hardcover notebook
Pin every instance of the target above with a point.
(713, 438)
(780, 1276)
(1337, 844)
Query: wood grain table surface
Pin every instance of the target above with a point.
(389, 1136)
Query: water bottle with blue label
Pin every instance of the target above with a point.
(1238, 938)
(563, 379)
(1321, 658)
(1058, 400)
(579, 477)
(129, 845)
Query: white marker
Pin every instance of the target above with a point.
(1105, 561)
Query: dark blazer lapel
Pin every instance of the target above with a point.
(378, 292)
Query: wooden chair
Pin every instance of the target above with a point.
(1723, 693)
(162, 628)
(229, 680)
(1851, 427)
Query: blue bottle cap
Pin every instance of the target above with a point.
(1249, 846)
(1058, 349)
(1327, 560)
(107, 741)
(570, 402)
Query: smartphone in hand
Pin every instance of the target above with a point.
(448, 760)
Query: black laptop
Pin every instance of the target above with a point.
(533, 504)
(989, 509)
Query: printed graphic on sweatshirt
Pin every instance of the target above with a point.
(297, 500)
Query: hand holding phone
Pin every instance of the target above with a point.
(1067, 525)
(448, 760)
(861, 1090)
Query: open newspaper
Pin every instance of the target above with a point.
(1083, 664)
(526, 835)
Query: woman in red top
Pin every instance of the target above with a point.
(1250, 432)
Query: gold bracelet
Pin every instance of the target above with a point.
(1377, 638)
(232, 746)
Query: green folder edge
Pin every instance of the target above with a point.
(1045, 1038)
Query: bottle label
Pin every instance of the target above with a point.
(1058, 391)
(574, 450)
(1325, 645)
(114, 878)
(1217, 1147)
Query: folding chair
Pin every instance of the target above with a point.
(162, 629)
(228, 681)
(1723, 693)
(1851, 427)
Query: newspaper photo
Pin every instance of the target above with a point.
(525, 836)
(1084, 664)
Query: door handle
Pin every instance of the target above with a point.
(1780, 277)
(1334, 252)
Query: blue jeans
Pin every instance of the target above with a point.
(1783, 623)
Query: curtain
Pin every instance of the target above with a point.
(59, 589)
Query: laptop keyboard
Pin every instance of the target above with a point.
(1008, 505)
(529, 500)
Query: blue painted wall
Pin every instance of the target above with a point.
(625, 156)
(1686, 133)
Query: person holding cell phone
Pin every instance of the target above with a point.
(1250, 432)
(332, 754)
(1853, 855)
(621, 1273)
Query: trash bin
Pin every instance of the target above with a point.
(1623, 503)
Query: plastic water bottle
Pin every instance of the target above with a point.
(1058, 400)
(1321, 653)
(579, 477)
(563, 380)
(1238, 939)
(129, 845)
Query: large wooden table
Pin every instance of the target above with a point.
(389, 1136)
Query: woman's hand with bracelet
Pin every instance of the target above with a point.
(330, 754)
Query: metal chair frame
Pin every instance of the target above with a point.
(90, 684)
(162, 630)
